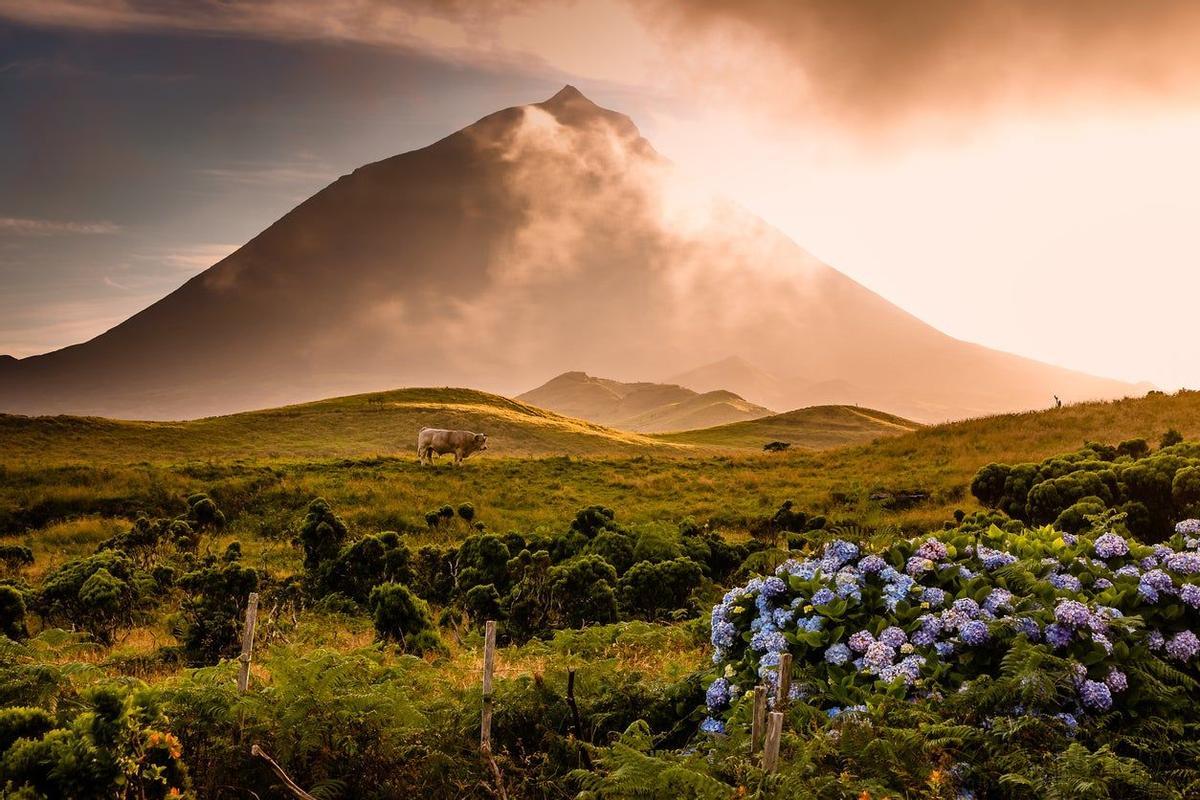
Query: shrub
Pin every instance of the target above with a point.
(433, 574)
(482, 559)
(467, 512)
(483, 603)
(213, 610)
(101, 594)
(321, 534)
(1134, 448)
(23, 723)
(650, 590)
(14, 557)
(582, 592)
(656, 545)
(1185, 491)
(403, 618)
(118, 748)
(362, 565)
(614, 547)
(1169, 439)
(12, 613)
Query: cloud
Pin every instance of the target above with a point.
(198, 257)
(48, 227)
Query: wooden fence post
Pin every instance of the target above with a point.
(771, 747)
(485, 723)
(759, 720)
(784, 686)
(247, 643)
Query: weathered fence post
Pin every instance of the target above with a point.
(759, 720)
(576, 724)
(771, 747)
(485, 723)
(247, 643)
(785, 681)
(489, 664)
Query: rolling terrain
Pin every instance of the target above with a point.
(641, 407)
(813, 428)
(541, 238)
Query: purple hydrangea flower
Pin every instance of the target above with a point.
(933, 550)
(1154, 582)
(934, 596)
(974, 633)
(1066, 581)
(1069, 539)
(837, 654)
(823, 596)
(1155, 641)
(870, 565)
(1128, 571)
(1073, 613)
(1116, 680)
(1096, 694)
(1029, 627)
(860, 641)
(1110, 545)
(944, 649)
(918, 565)
(1183, 646)
(1190, 594)
(1058, 635)
(878, 657)
(998, 599)
(1188, 527)
(1102, 583)
(1186, 563)
(994, 559)
(893, 636)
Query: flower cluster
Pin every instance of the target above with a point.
(925, 615)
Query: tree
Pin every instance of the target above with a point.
(1185, 490)
(321, 534)
(651, 590)
(100, 593)
(213, 610)
(581, 591)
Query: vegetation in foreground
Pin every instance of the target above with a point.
(365, 681)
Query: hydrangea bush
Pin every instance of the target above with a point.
(927, 616)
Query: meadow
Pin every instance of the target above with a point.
(351, 710)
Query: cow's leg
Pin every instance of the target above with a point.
(458, 458)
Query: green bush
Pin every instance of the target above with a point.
(582, 592)
(482, 559)
(321, 535)
(101, 594)
(652, 590)
(213, 610)
(14, 557)
(364, 564)
(483, 603)
(12, 613)
(118, 748)
(614, 547)
(1169, 439)
(402, 617)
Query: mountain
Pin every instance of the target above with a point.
(539, 239)
(640, 407)
(814, 428)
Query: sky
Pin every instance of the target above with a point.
(1017, 173)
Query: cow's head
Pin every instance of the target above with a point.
(481, 441)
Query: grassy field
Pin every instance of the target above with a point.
(256, 468)
(815, 428)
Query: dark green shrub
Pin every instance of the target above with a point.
(1134, 448)
(203, 514)
(654, 545)
(614, 547)
(593, 519)
(483, 603)
(14, 557)
(1185, 490)
(213, 610)
(582, 592)
(1169, 439)
(433, 574)
(653, 590)
(12, 613)
(321, 534)
(101, 594)
(403, 618)
(23, 723)
(467, 512)
(362, 565)
(483, 559)
(1074, 519)
(119, 748)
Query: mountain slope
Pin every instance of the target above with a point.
(815, 428)
(640, 407)
(383, 423)
(539, 239)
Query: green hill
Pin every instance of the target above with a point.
(815, 428)
(383, 423)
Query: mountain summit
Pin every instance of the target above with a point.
(540, 239)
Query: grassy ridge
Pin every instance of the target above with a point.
(359, 426)
(815, 428)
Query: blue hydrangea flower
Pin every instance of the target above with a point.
(893, 636)
(839, 552)
(1029, 627)
(823, 596)
(1066, 581)
(712, 726)
(934, 596)
(837, 654)
(1058, 635)
(944, 649)
(1154, 582)
(1073, 613)
(994, 559)
(1102, 583)
(998, 599)
(768, 640)
(1096, 694)
(1128, 571)
(974, 633)
(717, 695)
